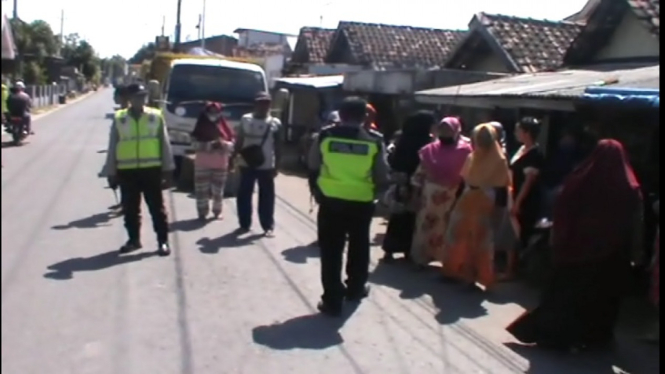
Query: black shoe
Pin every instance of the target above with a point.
(357, 295)
(130, 246)
(163, 249)
(329, 310)
(388, 258)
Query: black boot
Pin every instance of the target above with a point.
(131, 246)
(355, 295)
(329, 309)
(163, 249)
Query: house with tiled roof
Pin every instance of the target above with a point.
(508, 44)
(611, 43)
(618, 31)
(382, 47)
(310, 52)
(8, 45)
(312, 45)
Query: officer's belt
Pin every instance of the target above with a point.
(139, 161)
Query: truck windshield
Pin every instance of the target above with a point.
(213, 83)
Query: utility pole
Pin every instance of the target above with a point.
(62, 27)
(15, 9)
(178, 26)
(203, 27)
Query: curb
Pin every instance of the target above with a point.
(39, 116)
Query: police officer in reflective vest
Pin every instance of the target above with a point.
(139, 159)
(348, 168)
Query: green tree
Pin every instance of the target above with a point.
(146, 52)
(80, 54)
(34, 41)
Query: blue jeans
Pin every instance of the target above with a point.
(266, 180)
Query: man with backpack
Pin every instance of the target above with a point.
(259, 150)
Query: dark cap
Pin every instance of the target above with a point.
(136, 89)
(353, 108)
(262, 96)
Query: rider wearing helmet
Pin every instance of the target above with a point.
(19, 104)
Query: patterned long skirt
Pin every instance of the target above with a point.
(469, 252)
(209, 185)
(431, 223)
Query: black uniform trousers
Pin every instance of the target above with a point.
(146, 182)
(337, 220)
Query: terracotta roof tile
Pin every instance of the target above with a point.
(534, 45)
(649, 12)
(391, 46)
(317, 41)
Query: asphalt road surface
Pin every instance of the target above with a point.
(220, 304)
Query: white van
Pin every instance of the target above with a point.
(193, 82)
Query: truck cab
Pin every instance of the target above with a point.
(191, 83)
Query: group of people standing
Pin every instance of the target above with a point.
(461, 201)
(140, 163)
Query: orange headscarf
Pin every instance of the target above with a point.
(486, 166)
(371, 114)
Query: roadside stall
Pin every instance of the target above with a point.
(310, 99)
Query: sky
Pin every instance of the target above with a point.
(123, 26)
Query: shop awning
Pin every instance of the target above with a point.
(622, 96)
(323, 82)
(552, 90)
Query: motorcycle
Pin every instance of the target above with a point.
(16, 127)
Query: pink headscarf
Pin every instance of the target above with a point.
(443, 163)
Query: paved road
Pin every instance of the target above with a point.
(219, 304)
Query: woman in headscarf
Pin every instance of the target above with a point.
(469, 252)
(597, 229)
(439, 180)
(404, 162)
(213, 141)
(504, 233)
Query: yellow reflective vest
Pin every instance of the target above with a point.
(5, 96)
(139, 145)
(346, 170)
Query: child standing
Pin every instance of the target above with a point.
(213, 141)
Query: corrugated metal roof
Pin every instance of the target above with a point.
(330, 81)
(560, 84)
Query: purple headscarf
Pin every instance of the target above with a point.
(442, 163)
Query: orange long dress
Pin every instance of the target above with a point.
(469, 244)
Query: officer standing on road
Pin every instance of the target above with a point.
(348, 169)
(139, 159)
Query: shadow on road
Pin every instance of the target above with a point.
(313, 331)
(229, 240)
(622, 358)
(452, 301)
(10, 144)
(95, 220)
(188, 225)
(301, 253)
(66, 269)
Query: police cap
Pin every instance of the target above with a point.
(353, 108)
(136, 89)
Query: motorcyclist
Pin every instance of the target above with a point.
(19, 104)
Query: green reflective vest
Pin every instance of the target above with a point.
(139, 143)
(5, 96)
(346, 169)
